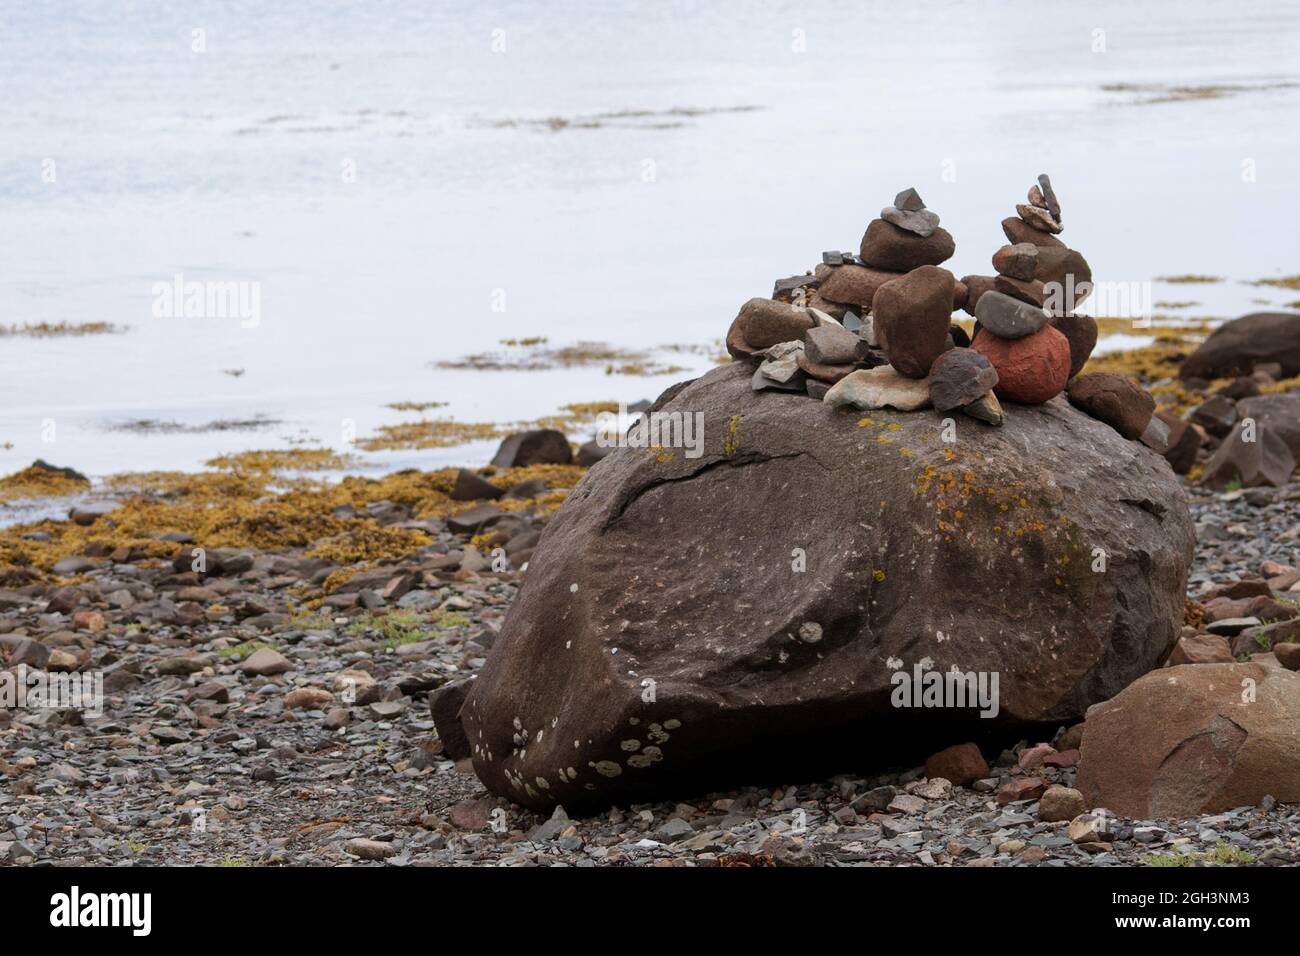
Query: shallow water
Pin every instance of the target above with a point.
(228, 164)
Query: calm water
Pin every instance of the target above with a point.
(378, 170)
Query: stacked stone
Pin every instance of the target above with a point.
(1037, 268)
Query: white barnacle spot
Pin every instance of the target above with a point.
(606, 768)
(634, 721)
(810, 632)
(568, 644)
(893, 663)
(575, 745)
(613, 650)
(541, 782)
(657, 733)
(519, 724)
(528, 789)
(783, 656)
(630, 745)
(672, 723)
(573, 588)
(940, 636)
(571, 773)
(538, 738)
(554, 721)
(645, 758)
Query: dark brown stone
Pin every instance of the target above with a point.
(1081, 332)
(960, 765)
(540, 446)
(762, 323)
(958, 377)
(885, 246)
(976, 286)
(912, 315)
(801, 699)
(471, 486)
(1114, 399)
(1236, 347)
(1017, 230)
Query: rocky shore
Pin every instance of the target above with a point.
(684, 657)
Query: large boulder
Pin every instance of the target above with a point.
(691, 623)
(1194, 739)
(1236, 347)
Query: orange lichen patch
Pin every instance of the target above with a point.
(37, 482)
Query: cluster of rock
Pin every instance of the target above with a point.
(1245, 432)
(874, 330)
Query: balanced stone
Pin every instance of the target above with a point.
(1017, 230)
(1031, 370)
(1038, 218)
(1081, 332)
(855, 285)
(976, 286)
(885, 246)
(923, 222)
(912, 316)
(986, 408)
(822, 371)
(1026, 290)
(958, 377)
(1049, 196)
(880, 387)
(762, 323)
(909, 200)
(833, 345)
(1019, 261)
(1119, 402)
(1008, 318)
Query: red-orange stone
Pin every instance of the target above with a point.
(1030, 370)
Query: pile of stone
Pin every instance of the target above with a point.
(874, 330)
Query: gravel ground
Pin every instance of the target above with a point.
(317, 749)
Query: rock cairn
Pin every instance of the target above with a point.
(874, 329)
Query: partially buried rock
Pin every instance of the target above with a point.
(541, 446)
(1118, 401)
(1250, 458)
(1236, 347)
(1081, 332)
(1008, 318)
(793, 706)
(762, 323)
(885, 246)
(1194, 739)
(880, 387)
(471, 486)
(912, 316)
(1030, 370)
(959, 377)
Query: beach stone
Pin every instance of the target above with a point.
(1201, 649)
(885, 246)
(912, 315)
(1026, 290)
(471, 486)
(762, 323)
(1194, 739)
(1017, 230)
(1279, 414)
(1049, 196)
(1081, 332)
(1037, 218)
(1237, 347)
(825, 373)
(923, 222)
(986, 408)
(1288, 655)
(959, 377)
(796, 382)
(591, 452)
(880, 387)
(1019, 261)
(601, 581)
(1008, 318)
(445, 703)
(976, 286)
(1155, 436)
(1064, 266)
(1031, 370)
(266, 662)
(1265, 461)
(962, 764)
(833, 345)
(307, 698)
(539, 446)
(1058, 804)
(1114, 399)
(1217, 414)
(816, 388)
(909, 200)
(855, 285)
